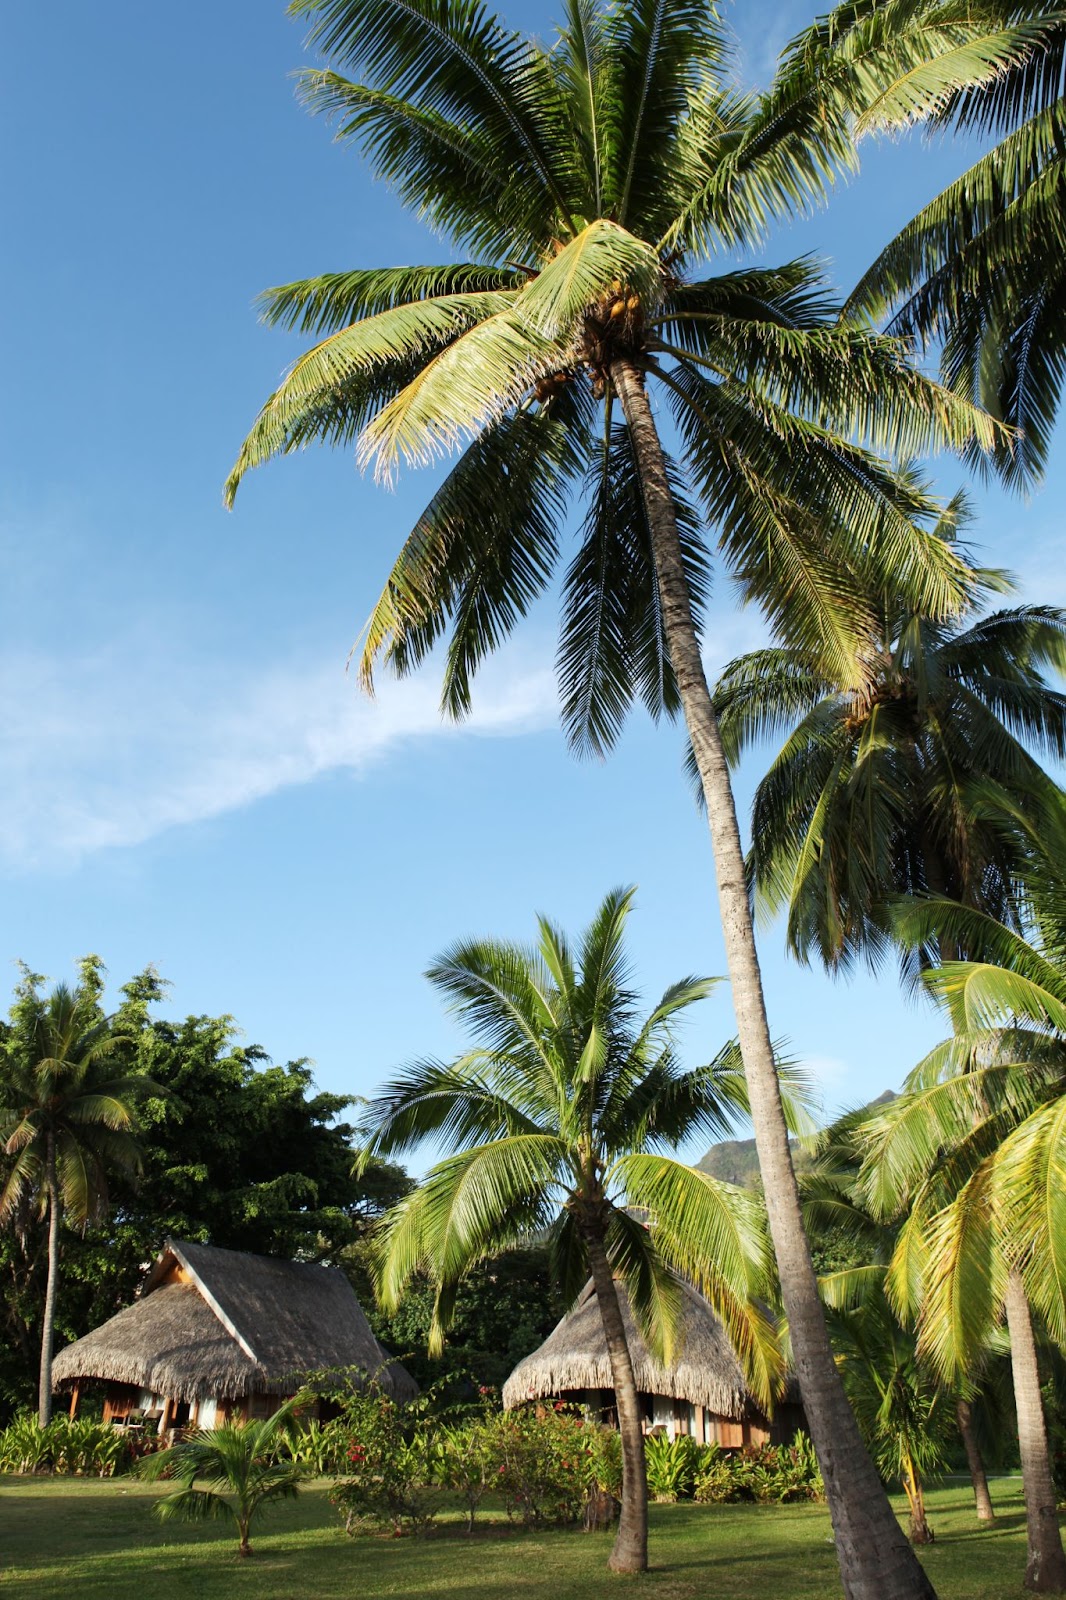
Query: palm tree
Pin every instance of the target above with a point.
(970, 1155)
(904, 780)
(904, 1410)
(66, 1121)
(238, 1461)
(561, 1117)
(904, 1407)
(912, 783)
(592, 180)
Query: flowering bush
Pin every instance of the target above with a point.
(391, 1462)
(400, 1463)
(541, 1466)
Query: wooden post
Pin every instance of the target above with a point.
(75, 1394)
(164, 1419)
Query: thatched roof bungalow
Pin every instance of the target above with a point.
(220, 1333)
(702, 1392)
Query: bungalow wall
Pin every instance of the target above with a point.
(161, 1413)
(674, 1417)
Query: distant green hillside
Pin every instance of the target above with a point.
(735, 1161)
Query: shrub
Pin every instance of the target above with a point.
(672, 1466)
(80, 1447)
(766, 1473)
(542, 1466)
(392, 1464)
(467, 1462)
(320, 1448)
(25, 1446)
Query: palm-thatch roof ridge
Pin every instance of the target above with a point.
(238, 1324)
(704, 1371)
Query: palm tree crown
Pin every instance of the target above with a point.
(905, 781)
(979, 272)
(63, 1102)
(564, 1116)
(592, 179)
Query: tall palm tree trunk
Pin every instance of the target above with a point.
(978, 1476)
(48, 1321)
(1045, 1564)
(630, 1553)
(876, 1561)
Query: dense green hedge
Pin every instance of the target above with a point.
(681, 1469)
(82, 1447)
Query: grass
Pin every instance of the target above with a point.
(98, 1540)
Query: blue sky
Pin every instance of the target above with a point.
(189, 777)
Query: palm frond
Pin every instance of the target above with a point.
(481, 552)
(612, 645)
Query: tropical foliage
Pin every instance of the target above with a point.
(979, 271)
(66, 1122)
(239, 1466)
(966, 1156)
(993, 1097)
(921, 776)
(562, 1115)
(78, 1446)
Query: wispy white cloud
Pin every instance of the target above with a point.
(112, 748)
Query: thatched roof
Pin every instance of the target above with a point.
(237, 1324)
(704, 1371)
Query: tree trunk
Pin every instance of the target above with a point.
(978, 1476)
(48, 1321)
(920, 1531)
(630, 1553)
(1045, 1563)
(876, 1561)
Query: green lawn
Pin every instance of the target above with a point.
(98, 1540)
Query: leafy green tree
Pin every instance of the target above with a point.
(593, 181)
(905, 779)
(235, 1151)
(904, 1410)
(560, 1116)
(66, 1119)
(238, 1463)
(505, 1307)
